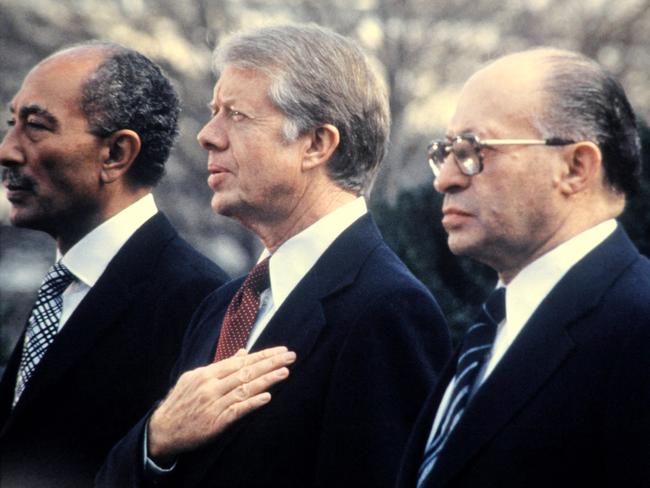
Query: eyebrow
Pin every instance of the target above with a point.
(35, 109)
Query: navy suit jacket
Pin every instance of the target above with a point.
(108, 364)
(569, 403)
(370, 340)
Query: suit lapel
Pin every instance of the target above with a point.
(116, 288)
(300, 319)
(539, 350)
(8, 383)
(199, 350)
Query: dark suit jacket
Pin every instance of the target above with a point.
(369, 340)
(569, 403)
(108, 364)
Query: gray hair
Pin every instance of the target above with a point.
(319, 77)
(129, 91)
(585, 102)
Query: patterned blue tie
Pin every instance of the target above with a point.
(43, 324)
(476, 347)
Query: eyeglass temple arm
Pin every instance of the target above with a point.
(553, 141)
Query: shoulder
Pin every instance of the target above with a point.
(388, 307)
(383, 273)
(628, 298)
(615, 323)
(168, 270)
(179, 258)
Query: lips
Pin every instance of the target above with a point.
(17, 185)
(217, 175)
(453, 217)
(455, 211)
(215, 169)
(16, 182)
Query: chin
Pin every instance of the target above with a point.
(220, 206)
(19, 219)
(464, 246)
(457, 244)
(28, 218)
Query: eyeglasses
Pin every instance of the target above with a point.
(467, 148)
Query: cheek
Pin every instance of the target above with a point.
(67, 177)
(524, 213)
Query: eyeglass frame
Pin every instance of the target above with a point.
(478, 145)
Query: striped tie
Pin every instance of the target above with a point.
(475, 348)
(43, 324)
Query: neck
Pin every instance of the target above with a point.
(78, 226)
(310, 209)
(575, 222)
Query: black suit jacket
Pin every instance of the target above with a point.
(369, 340)
(569, 403)
(108, 364)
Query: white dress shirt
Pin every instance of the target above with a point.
(527, 290)
(89, 257)
(294, 258)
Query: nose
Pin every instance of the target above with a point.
(213, 137)
(450, 179)
(10, 153)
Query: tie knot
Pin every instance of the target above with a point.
(258, 279)
(479, 337)
(495, 305)
(56, 281)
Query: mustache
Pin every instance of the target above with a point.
(13, 179)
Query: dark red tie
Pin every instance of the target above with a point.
(242, 312)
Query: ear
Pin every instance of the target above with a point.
(322, 142)
(123, 147)
(583, 162)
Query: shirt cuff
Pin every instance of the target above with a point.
(150, 467)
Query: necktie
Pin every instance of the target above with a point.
(475, 348)
(242, 312)
(43, 324)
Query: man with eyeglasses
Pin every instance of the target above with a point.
(551, 386)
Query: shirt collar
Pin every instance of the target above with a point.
(527, 290)
(295, 257)
(89, 257)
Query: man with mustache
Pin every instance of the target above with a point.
(90, 130)
(299, 126)
(551, 386)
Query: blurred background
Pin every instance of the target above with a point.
(424, 48)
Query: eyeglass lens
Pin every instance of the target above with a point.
(465, 154)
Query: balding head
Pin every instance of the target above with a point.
(91, 128)
(585, 102)
(561, 152)
(507, 92)
(126, 90)
(567, 95)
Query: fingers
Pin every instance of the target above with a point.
(248, 397)
(240, 359)
(242, 391)
(259, 369)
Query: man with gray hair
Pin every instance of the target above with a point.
(299, 126)
(89, 133)
(551, 387)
